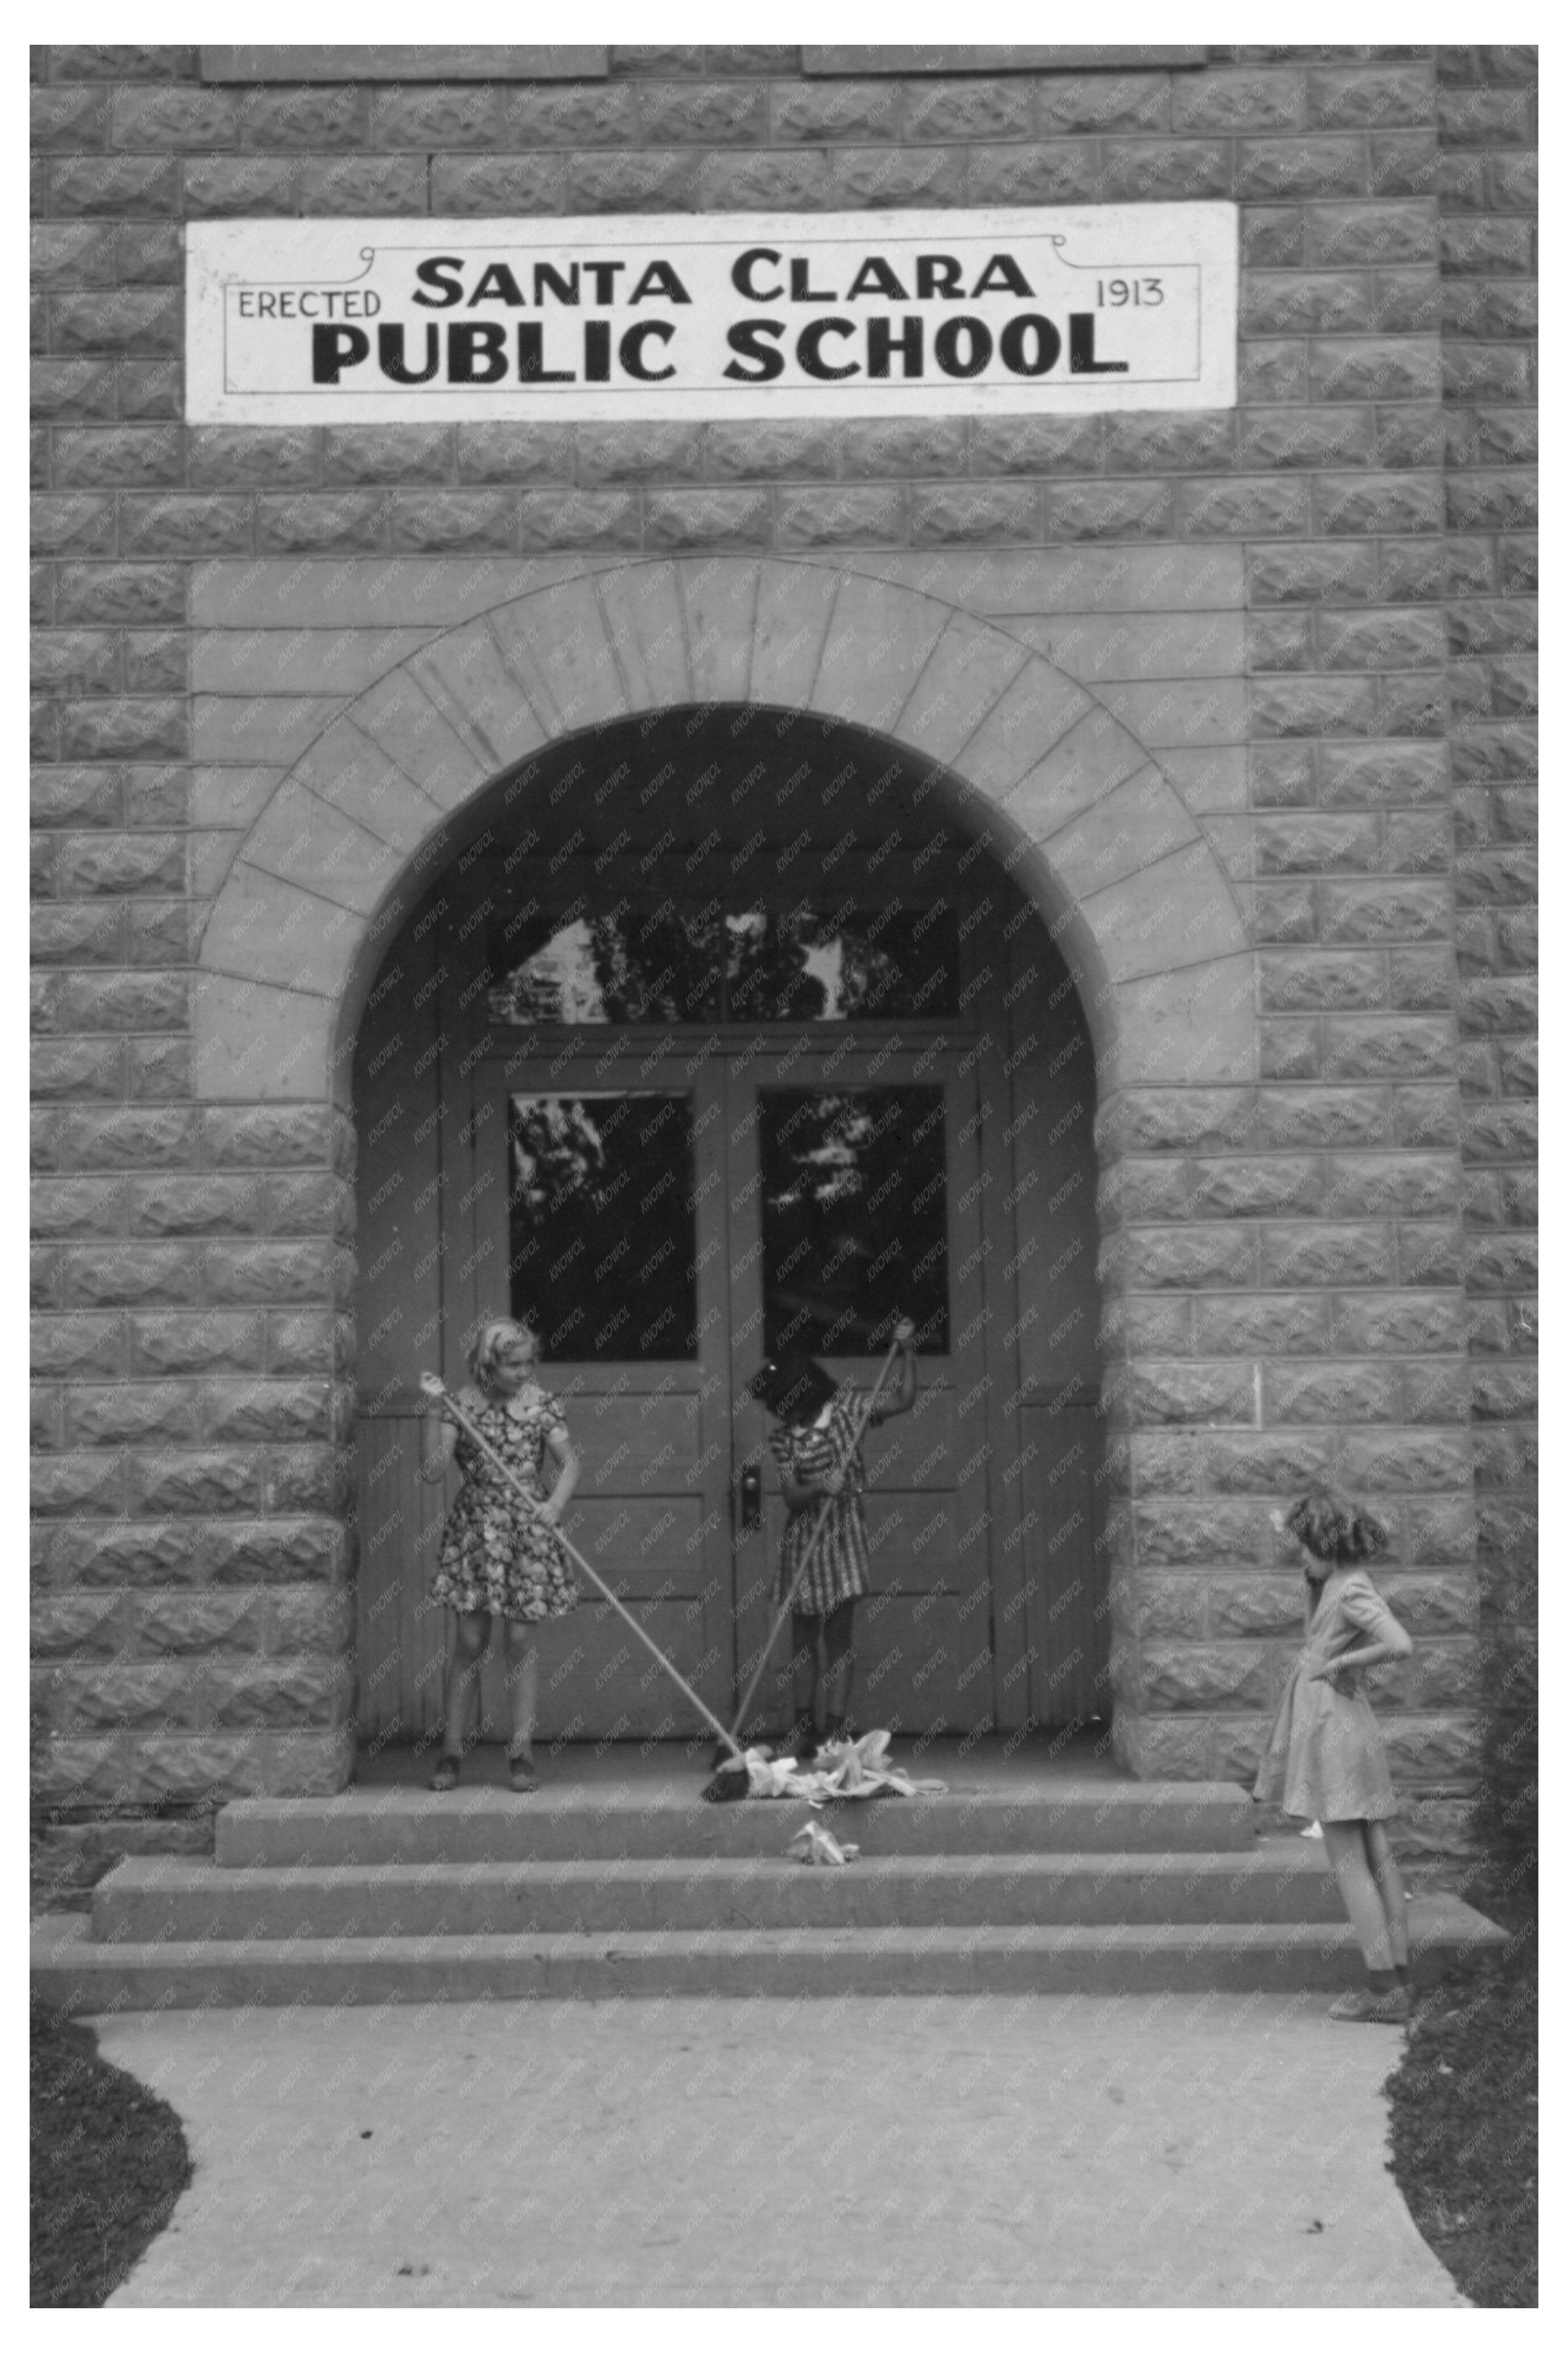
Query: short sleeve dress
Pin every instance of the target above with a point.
(840, 1566)
(494, 1553)
(1324, 1756)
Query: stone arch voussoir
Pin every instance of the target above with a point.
(1077, 808)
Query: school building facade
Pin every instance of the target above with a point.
(713, 884)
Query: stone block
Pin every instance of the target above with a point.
(1323, 1255)
(1312, 981)
(72, 1484)
(274, 1411)
(77, 1626)
(1267, 1606)
(702, 113)
(1266, 1325)
(275, 1693)
(82, 1348)
(1363, 1048)
(1181, 1258)
(1153, 1325)
(707, 518)
(138, 1413)
(1226, 1675)
(1435, 1392)
(191, 1770)
(70, 389)
(807, 113)
(1278, 1464)
(1171, 1607)
(763, 180)
(1201, 1533)
(1145, 171)
(137, 457)
(117, 186)
(1342, 1392)
(116, 1554)
(196, 1483)
(77, 524)
(272, 1552)
(514, 453)
(1199, 1393)
(1094, 511)
(209, 1341)
(127, 1137)
(274, 1273)
(108, 1698)
(1300, 1118)
(1373, 774)
(195, 1625)
(1398, 1322)
(71, 1208)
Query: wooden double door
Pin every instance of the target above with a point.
(669, 1219)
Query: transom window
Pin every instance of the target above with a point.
(623, 963)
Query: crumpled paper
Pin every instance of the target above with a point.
(857, 1769)
(811, 1843)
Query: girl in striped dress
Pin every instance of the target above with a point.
(814, 1442)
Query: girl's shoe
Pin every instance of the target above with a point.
(445, 1776)
(521, 1775)
(1368, 2009)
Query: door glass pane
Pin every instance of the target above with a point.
(854, 1218)
(871, 964)
(650, 965)
(579, 964)
(604, 1225)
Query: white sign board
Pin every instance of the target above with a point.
(723, 315)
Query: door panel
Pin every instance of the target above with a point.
(598, 1206)
(895, 1188)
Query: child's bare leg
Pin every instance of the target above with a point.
(463, 1676)
(1386, 1878)
(522, 1684)
(1359, 1891)
(806, 1633)
(838, 1673)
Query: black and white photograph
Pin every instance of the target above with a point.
(783, 1208)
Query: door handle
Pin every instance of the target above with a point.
(750, 1498)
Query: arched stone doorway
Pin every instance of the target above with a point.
(1086, 823)
(720, 1037)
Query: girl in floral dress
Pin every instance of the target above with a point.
(1324, 1756)
(498, 1558)
(816, 1445)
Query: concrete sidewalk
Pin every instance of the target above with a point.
(1056, 2150)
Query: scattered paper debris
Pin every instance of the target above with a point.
(814, 1844)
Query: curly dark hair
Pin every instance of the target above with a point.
(1335, 1530)
(795, 1388)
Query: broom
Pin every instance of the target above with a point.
(438, 1389)
(728, 1767)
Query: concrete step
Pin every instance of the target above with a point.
(635, 1820)
(155, 1899)
(76, 1976)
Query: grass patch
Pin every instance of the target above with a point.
(108, 2159)
(1464, 2125)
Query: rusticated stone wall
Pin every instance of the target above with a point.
(1311, 1256)
(1486, 112)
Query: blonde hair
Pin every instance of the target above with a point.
(491, 1342)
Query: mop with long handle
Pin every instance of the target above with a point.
(806, 1557)
(438, 1389)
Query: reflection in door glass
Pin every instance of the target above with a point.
(647, 965)
(604, 1225)
(853, 1219)
(584, 965)
(871, 964)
